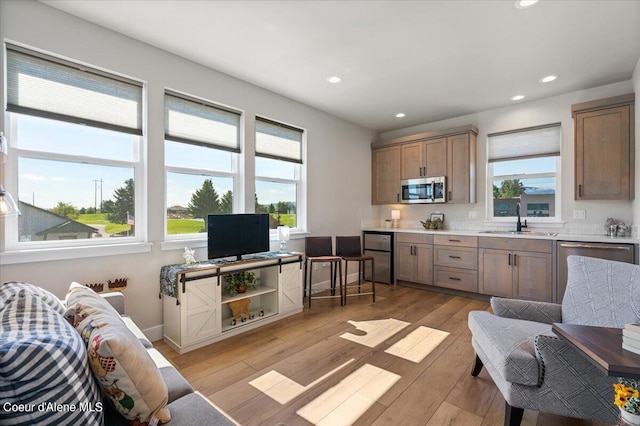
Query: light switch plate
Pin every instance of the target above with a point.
(579, 214)
(473, 214)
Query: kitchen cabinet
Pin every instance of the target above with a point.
(424, 159)
(604, 148)
(461, 168)
(450, 153)
(456, 262)
(414, 258)
(516, 268)
(385, 173)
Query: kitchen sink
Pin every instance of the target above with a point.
(548, 234)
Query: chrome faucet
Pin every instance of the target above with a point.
(519, 224)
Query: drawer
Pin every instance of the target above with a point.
(457, 279)
(455, 240)
(520, 244)
(406, 237)
(456, 257)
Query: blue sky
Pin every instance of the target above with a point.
(46, 182)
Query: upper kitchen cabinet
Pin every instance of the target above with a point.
(450, 153)
(604, 148)
(424, 159)
(385, 175)
(461, 168)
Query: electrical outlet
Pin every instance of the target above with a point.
(579, 214)
(473, 214)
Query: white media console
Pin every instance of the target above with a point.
(196, 310)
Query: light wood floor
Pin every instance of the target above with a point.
(439, 390)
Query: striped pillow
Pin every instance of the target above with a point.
(44, 371)
(8, 289)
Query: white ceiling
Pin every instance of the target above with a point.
(429, 59)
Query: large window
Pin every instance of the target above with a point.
(75, 162)
(524, 168)
(279, 173)
(202, 144)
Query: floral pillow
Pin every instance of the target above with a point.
(124, 370)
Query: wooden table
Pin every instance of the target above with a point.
(602, 346)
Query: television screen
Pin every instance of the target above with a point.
(237, 234)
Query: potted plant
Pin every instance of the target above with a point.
(239, 282)
(627, 398)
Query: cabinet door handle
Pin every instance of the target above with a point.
(454, 257)
(455, 279)
(580, 190)
(398, 197)
(509, 261)
(450, 196)
(515, 260)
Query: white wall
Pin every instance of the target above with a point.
(521, 115)
(338, 152)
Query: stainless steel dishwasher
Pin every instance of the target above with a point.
(620, 252)
(379, 245)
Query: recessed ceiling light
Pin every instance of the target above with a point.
(517, 97)
(523, 4)
(400, 115)
(548, 78)
(334, 79)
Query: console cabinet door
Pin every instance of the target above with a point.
(201, 310)
(290, 281)
(495, 272)
(532, 276)
(385, 175)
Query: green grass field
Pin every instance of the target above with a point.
(174, 226)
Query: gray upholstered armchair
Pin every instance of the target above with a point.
(533, 368)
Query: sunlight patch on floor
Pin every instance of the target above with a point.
(344, 403)
(418, 344)
(377, 331)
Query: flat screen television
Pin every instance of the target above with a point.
(237, 234)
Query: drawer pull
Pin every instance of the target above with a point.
(454, 257)
(455, 279)
(454, 241)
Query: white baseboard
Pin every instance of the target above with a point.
(154, 333)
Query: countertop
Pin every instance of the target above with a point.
(529, 235)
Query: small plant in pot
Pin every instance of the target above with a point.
(239, 282)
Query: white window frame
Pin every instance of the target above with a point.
(200, 239)
(546, 221)
(300, 179)
(15, 251)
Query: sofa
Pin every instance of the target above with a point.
(82, 361)
(532, 367)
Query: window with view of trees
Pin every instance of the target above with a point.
(202, 144)
(75, 136)
(279, 170)
(524, 167)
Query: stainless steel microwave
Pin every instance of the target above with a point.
(423, 190)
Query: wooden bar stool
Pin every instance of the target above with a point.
(320, 249)
(350, 250)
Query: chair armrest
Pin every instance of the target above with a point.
(115, 299)
(528, 310)
(570, 380)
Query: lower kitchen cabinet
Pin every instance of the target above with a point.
(456, 262)
(414, 258)
(522, 269)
